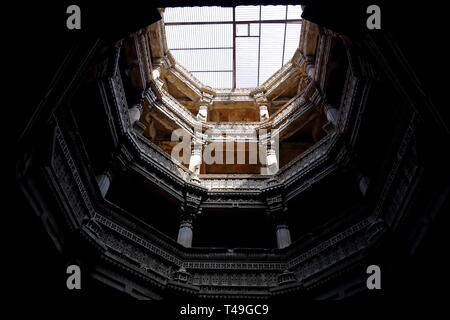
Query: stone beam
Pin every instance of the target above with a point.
(183, 84)
(156, 40)
(308, 39)
(283, 83)
(298, 124)
(262, 102)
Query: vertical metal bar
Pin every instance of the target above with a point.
(259, 47)
(284, 40)
(234, 47)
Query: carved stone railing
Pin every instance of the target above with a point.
(235, 132)
(282, 119)
(231, 131)
(143, 49)
(300, 165)
(118, 94)
(308, 94)
(300, 107)
(142, 254)
(294, 170)
(237, 95)
(177, 169)
(285, 72)
(160, 158)
(405, 169)
(153, 255)
(150, 256)
(172, 108)
(233, 184)
(188, 79)
(213, 274)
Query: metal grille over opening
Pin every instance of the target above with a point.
(233, 47)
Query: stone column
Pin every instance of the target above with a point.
(268, 152)
(205, 100)
(272, 153)
(185, 233)
(278, 211)
(283, 235)
(196, 157)
(272, 161)
(332, 114)
(135, 113)
(104, 182)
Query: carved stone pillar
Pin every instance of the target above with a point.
(202, 114)
(272, 153)
(262, 103)
(135, 113)
(268, 152)
(277, 210)
(205, 101)
(190, 210)
(332, 114)
(104, 182)
(196, 157)
(185, 233)
(272, 161)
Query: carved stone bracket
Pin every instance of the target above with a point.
(182, 275)
(276, 205)
(286, 277)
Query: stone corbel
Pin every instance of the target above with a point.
(275, 205)
(205, 101)
(262, 102)
(286, 277)
(182, 275)
(161, 66)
